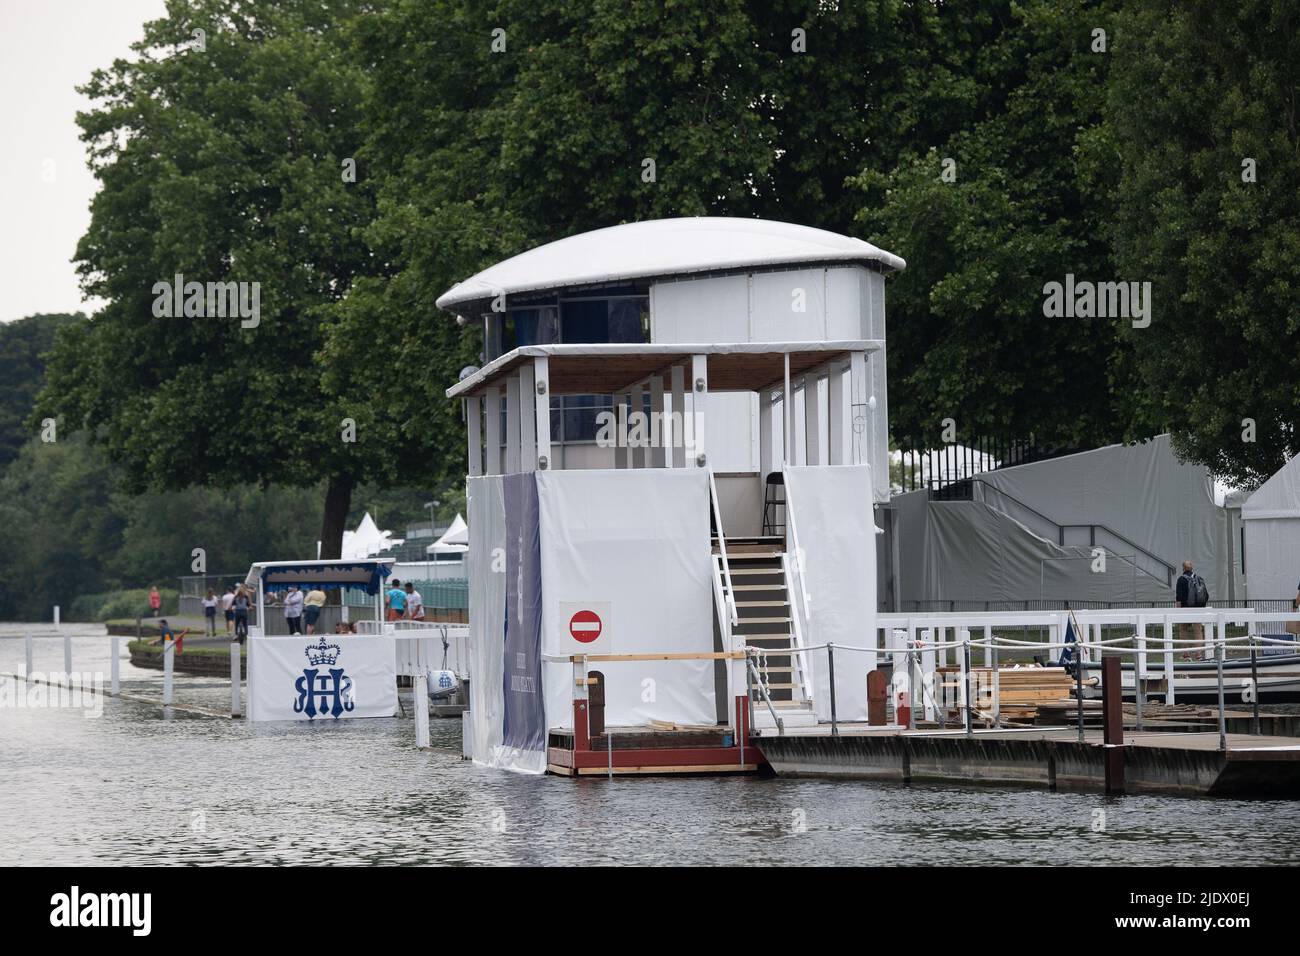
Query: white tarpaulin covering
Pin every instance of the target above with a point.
(1271, 526)
(633, 549)
(831, 512)
(321, 678)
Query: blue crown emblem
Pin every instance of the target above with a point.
(323, 653)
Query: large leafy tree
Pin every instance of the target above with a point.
(1014, 208)
(225, 161)
(1197, 89)
(23, 344)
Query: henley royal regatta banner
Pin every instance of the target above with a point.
(324, 677)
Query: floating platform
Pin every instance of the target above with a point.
(1179, 763)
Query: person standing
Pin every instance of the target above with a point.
(311, 605)
(241, 604)
(210, 612)
(414, 603)
(155, 601)
(1190, 591)
(396, 601)
(293, 609)
(228, 606)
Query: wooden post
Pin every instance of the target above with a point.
(1112, 720)
(596, 703)
(830, 662)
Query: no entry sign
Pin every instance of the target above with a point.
(585, 626)
(589, 626)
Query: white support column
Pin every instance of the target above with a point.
(542, 410)
(765, 441)
(658, 433)
(169, 650)
(527, 419)
(636, 425)
(492, 431)
(678, 381)
(1169, 661)
(700, 393)
(420, 702)
(115, 668)
(837, 441)
(812, 422)
(787, 412)
(860, 415)
(620, 430)
(474, 428)
(236, 673)
(512, 425)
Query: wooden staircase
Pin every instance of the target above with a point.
(765, 620)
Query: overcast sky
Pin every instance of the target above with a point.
(47, 47)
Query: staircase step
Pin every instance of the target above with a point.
(769, 571)
(762, 604)
(766, 637)
(765, 620)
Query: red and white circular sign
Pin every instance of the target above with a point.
(585, 626)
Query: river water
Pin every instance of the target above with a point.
(127, 785)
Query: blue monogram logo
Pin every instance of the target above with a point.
(323, 690)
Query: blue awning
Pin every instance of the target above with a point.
(326, 575)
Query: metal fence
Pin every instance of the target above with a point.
(1269, 606)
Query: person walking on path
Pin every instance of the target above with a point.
(210, 612)
(396, 601)
(228, 605)
(293, 609)
(312, 603)
(241, 604)
(155, 602)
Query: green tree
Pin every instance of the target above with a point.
(228, 162)
(23, 344)
(1197, 89)
(985, 219)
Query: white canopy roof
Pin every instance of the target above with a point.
(1279, 497)
(664, 247)
(455, 538)
(367, 539)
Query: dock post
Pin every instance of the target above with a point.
(1218, 661)
(1254, 687)
(965, 679)
(56, 615)
(67, 655)
(1112, 721)
(420, 691)
(29, 655)
(115, 666)
(830, 667)
(911, 687)
(1078, 690)
(168, 647)
(1139, 671)
(997, 683)
(235, 677)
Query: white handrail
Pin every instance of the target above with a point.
(803, 663)
(794, 541)
(722, 547)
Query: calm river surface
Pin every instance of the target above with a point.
(131, 787)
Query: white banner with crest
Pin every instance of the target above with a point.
(325, 677)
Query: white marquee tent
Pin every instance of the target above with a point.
(1271, 527)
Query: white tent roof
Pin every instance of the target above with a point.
(663, 247)
(455, 538)
(1279, 497)
(367, 539)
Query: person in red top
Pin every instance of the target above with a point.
(155, 601)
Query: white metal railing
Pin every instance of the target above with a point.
(800, 602)
(730, 589)
(801, 663)
(422, 646)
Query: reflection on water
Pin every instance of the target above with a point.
(135, 787)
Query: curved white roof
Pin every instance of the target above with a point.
(663, 247)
